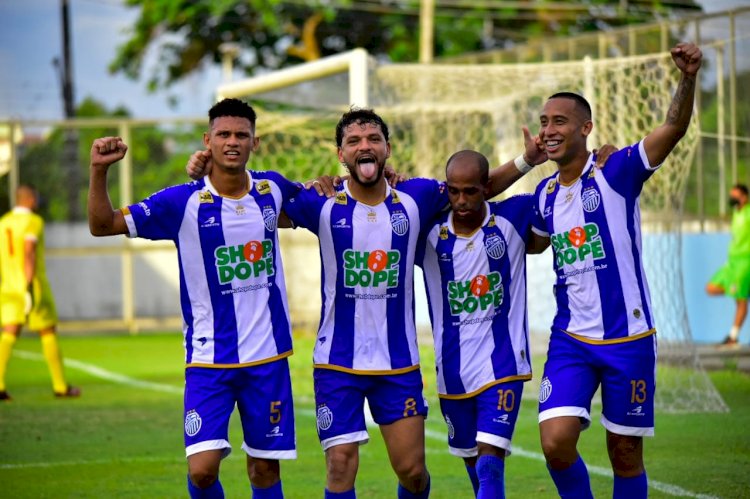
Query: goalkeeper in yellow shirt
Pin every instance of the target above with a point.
(25, 294)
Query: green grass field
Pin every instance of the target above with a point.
(123, 438)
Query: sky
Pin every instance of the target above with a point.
(31, 37)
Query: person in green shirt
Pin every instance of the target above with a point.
(733, 278)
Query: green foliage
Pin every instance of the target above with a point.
(189, 33)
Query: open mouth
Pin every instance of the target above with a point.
(367, 166)
(552, 145)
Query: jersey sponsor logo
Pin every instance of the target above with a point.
(394, 198)
(209, 222)
(399, 222)
(479, 293)
(341, 224)
(545, 389)
(193, 423)
(371, 268)
(577, 244)
(443, 232)
(269, 218)
(262, 187)
(638, 411)
(324, 417)
(495, 246)
(205, 197)
(275, 432)
(551, 185)
(501, 419)
(547, 212)
(146, 210)
(590, 199)
(243, 261)
(341, 198)
(491, 222)
(592, 173)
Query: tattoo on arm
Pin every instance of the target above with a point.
(681, 107)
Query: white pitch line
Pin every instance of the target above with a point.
(98, 372)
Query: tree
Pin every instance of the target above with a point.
(276, 33)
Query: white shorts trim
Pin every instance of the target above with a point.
(557, 412)
(630, 431)
(473, 452)
(220, 444)
(497, 441)
(357, 437)
(269, 454)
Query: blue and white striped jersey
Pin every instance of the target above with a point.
(367, 266)
(476, 290)
(594, 227)
(232, 289)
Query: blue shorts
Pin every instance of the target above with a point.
(626, 371)
(263, 395)
(340, 399)
(488, 417)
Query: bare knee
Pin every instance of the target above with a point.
(342, 462)
(203, 468)
(625, 454)
(263, 473)
(559, 438)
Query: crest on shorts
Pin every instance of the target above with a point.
(399, 222)
(269, 218)
(193, 423)
(451, 428)
(325, 417)
(545, 390)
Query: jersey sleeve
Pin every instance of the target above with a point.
(431, 196)
(521, 212)
(628, 169)
(288, 188)
(159, 216)
(304, 208)
(538, 224)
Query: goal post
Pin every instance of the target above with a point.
(433, 110)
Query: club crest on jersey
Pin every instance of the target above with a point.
(262, 187)
(243, 261)
(399, 222)
(205, 197)
(591, 199)
(479, 293)
(495, 246)
(269, 218)
(341, 198)
(324, 417)
(577, 244)
(371, 268)
(551, 185)
(193, 423)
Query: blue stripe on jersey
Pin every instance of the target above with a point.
(614, 312)
(342, 347)
(451, 344)
(275, 300)
(633, 231)
(395, 309)
(562, 317)
(503, 351)
(225, 322)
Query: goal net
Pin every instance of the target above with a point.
(434, 110)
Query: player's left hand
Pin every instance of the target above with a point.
(325, 185)
(29, 299)
(687, 57)
(602, 154)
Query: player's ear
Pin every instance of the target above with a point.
(588, 125)
(387, 149)
(256, 143)
(206, 139)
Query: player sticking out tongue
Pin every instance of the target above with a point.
(368, 168)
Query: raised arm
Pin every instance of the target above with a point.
(660, 142)
(103, 219)
(506, 174)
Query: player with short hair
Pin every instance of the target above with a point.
(25, 293)
(475, 274)
(367, 345)
(236, 319)
(604, 330)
